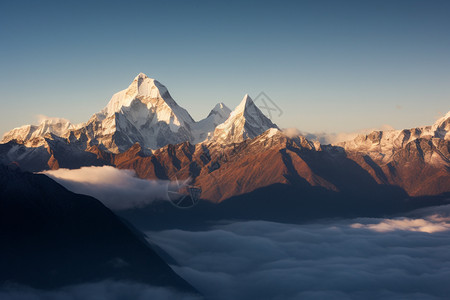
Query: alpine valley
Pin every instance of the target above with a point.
(246, 166)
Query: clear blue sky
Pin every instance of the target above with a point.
(331, 66)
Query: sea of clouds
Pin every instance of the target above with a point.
(399, 258)
(104, 290)
(404, 257)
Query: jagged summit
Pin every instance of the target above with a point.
(140, 75)
(383, 145)
(245, 121)
(204, 129)
(147, 90)
(146, 113)
(219, 109)
(33, 135)
(441, 127)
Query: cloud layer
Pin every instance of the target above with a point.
(117, 189)
(353, 259)
(431, 224)
(111, 290)
(333, 138)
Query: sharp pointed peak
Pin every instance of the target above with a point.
(220, 106)
(245, 103)
(141, 76)
(220, 109)
(246, 98)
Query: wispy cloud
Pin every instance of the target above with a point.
(432, 224)
(117, 189)
(42, 118)
(326, 138)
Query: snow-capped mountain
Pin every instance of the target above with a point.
(144, 113)
(441, 128)
(204, 129)
(246, 121)
(33, 135)
(382, 145)
(144, 129)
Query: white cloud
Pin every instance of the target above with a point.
(117, 189)
(329, 260)
(435, 223)
(54, 120)
(326, 138)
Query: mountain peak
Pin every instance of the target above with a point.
(141, 76)
(141, 87)
(145, 112)
(443, 119)
(245, 121)
(441, 127)
(220, 109)
(246, 101)
(219, 106)
(145, 86)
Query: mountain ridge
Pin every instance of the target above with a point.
(145, 112)
(232, 153)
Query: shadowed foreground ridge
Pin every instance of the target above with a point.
(52, 237)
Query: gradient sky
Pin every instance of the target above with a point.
(333, 66)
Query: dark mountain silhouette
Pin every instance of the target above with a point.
(51, 237)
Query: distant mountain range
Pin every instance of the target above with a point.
(233, 153)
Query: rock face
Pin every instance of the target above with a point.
(382, 145)
(416, 159)
(52, 237)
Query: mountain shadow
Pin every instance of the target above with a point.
(52, 237)
(282, 203)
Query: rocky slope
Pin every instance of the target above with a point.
(421, 167)
(417, 159)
